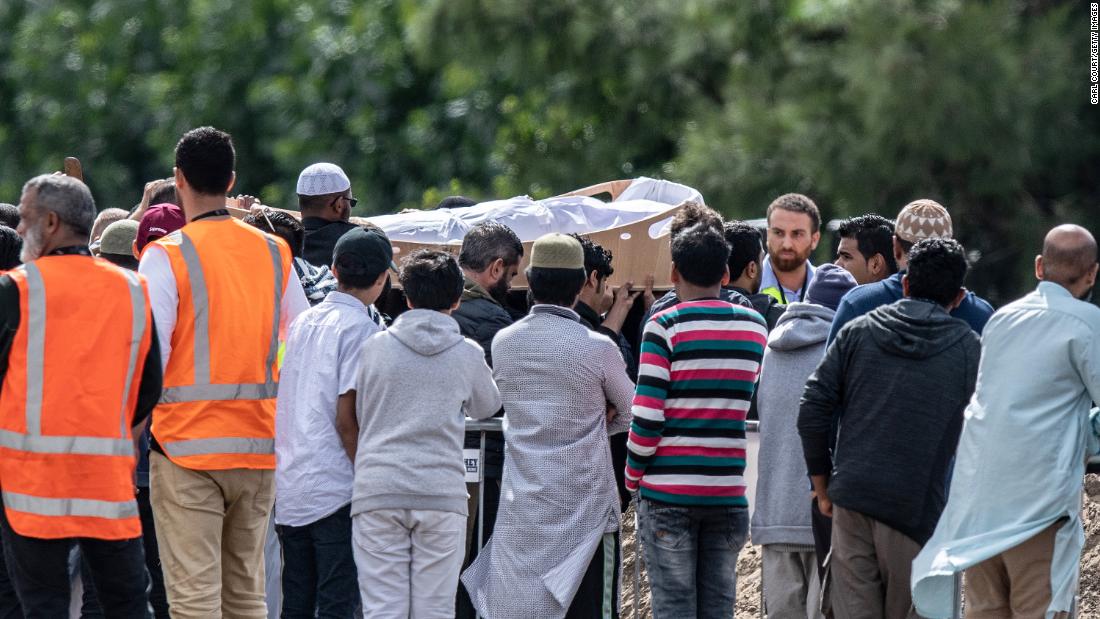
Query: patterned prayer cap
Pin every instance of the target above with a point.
(923, 219)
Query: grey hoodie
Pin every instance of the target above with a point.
(417, 380)
(781, 512)
(899, 379)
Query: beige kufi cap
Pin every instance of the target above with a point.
(557, 251)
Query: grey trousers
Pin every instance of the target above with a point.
(870, 565)
(791, 586)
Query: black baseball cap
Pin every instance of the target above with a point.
(361, 252)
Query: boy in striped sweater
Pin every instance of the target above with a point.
(698, 369)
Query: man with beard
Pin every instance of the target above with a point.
(70, 406)
(1013, 515)
(794, 229)
(489, 258)
(324, 197)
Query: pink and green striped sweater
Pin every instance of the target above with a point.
(697, 372)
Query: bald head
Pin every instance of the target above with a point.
(1069, 258)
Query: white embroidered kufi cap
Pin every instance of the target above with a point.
(322, 179)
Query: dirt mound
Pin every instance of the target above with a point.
(1089, 587)
(749, 594)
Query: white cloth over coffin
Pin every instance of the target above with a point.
(558, 494)
(530, 219)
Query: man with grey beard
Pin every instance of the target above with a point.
(70, 407)
(489, 258)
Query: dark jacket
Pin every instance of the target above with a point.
(975, 310)
(320, 239)
(902, 375)
(479, 318)
(765, 305)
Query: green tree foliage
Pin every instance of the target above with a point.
(861, 104)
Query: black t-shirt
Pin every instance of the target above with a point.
(320, 239)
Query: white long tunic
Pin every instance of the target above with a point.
(558, 495)
(1021, 456)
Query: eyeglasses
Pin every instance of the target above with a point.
(351, 201)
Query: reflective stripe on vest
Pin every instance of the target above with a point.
(36, 347)
(203, 390)
(93, 508)
(33, 441)
(776, 294)
(227, 445)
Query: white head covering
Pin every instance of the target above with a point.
(321, 179)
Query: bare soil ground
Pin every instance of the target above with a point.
(748, 567)
(748, 578)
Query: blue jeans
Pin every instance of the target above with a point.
(319, 576)
(691, 556)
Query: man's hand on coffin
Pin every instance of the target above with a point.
(249, 203)
(620, 307)
(648, 298)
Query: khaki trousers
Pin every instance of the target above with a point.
(211, 527)
(869, 565)
(1014, 584)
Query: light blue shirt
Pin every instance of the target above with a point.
(769, 284)
(313, 475)
(1021, 458)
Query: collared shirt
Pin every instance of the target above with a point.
(769, 283)
(1021, 457)
(313, 475)
(320, 239)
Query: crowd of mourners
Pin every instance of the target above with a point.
(183, 391)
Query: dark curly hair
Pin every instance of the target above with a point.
(874, 234)
(431, 279)
(700, 254)
(937, 270)
(746, 244)
(694, 213)
(596, 258)
(206, 158)
(281, 225)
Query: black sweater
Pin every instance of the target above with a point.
(898, 379)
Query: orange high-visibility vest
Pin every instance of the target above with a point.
(217, 410)
(68, 399)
